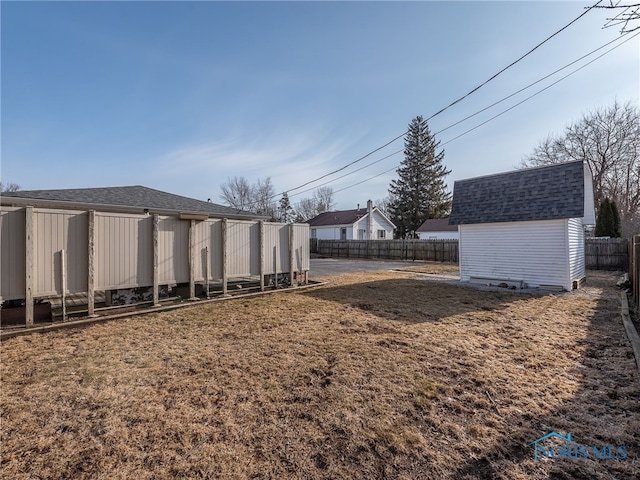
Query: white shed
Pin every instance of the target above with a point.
(357, 224)
(526, 227)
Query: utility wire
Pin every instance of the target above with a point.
(516, 61)
(501, 113)
(617, 39)
(493, 77)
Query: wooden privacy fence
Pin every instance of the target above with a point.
(435, 250)
(634, 268)
(606, 253)
(600, 253)
(47, 252)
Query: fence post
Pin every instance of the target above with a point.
(192, 260)
(91, 255)
(156, 281)
(29, 247)
(224, 256)
(291, 255)
(63, 282)
(261, 240)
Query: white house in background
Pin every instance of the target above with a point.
(437, 229)
(526, 227)
(358, 224)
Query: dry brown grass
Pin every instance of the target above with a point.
(372, 376)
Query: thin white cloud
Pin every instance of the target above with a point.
(288, 157)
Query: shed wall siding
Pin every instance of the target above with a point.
(535, 252)
(575, 231)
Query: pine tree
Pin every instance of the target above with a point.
(605, 221)
(617, 224)
(286, 211)
(419, 193)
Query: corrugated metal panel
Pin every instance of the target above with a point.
(576, 249)
(123, 251)
(535, 252)
(276, 248)
(54, 231)
(12, 243)
(208, 234)
(301, 247)
(243, 243)
(173, 250)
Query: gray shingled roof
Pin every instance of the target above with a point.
(437, 225)
(130, 197)
(339, 217)
(542, 193)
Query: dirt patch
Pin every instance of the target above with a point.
(372, 376)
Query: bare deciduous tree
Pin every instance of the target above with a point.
(321, 201)
(323, 197)
(263, 195)
(237, 193)
(258, 198)
(9, 187)
(609, 140)
(627, 15)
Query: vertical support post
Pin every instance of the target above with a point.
(156, 281)
(206, 271)
(29, 248)
(91, 256)
(292, 252)
(261, 253)
(224, 255)
(63, 275)
(192, 261)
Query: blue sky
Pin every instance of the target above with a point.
(180, 96)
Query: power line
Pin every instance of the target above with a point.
(504, 111)
(493, 77)
(617, 39)
(542, 90)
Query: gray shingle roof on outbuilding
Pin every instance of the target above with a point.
(128, 197)
(542, 193)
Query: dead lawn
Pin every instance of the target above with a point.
(379, 375)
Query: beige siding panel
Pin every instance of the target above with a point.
(576, 248)
(276, 248)
(54, 231)
(243, 242)
(124, 251)
(173, 247)
(301, 247)
(208, 234)
(214, 228)
(535, 252)
(12, 259)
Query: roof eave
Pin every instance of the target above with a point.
(43, 203)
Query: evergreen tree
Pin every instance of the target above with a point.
(617, 224)
(419, 193)
(286, 211)
(605, 221)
